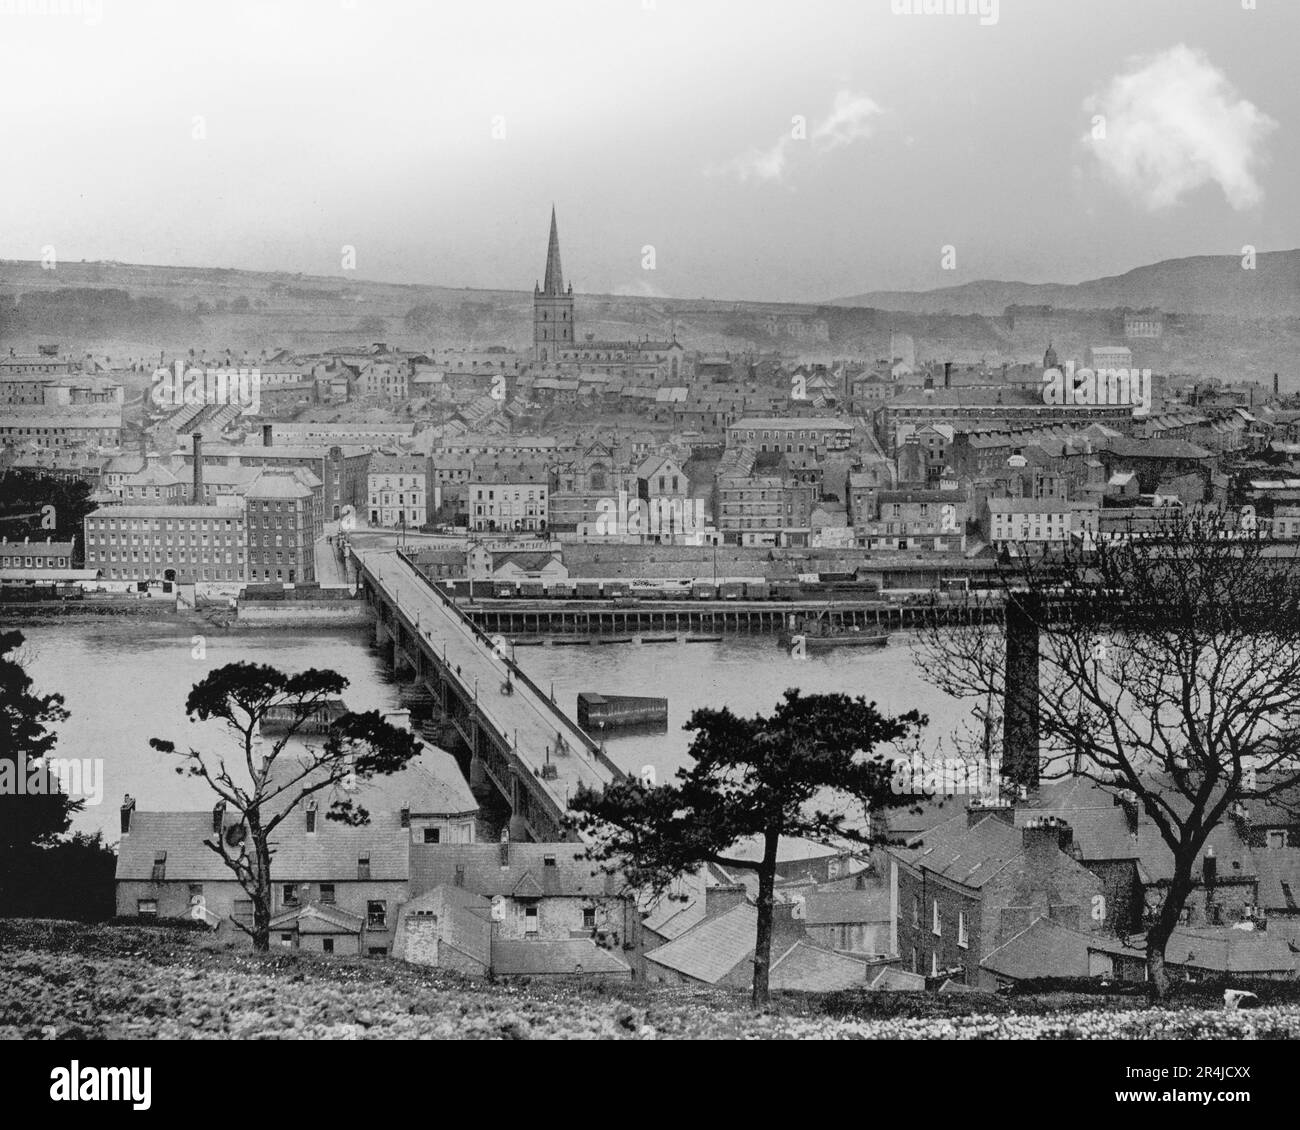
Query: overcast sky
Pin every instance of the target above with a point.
(765, 149)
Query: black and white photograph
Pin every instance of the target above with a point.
(649, 521)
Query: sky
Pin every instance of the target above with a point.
(773, 150)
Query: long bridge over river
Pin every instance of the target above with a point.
(520, 741)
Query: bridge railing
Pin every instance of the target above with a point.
(575, 731)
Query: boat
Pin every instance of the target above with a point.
(816, 633)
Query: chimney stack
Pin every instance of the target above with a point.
(723, 897)
(1045, 835)
(505, 849)
(128, 807)
(198, 469)
(947, 374)
(218, 817)
(1210, 867)
(978, 809)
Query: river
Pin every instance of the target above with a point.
(126, 682)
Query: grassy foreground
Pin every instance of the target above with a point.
(68, 980)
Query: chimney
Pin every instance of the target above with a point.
(1003, 810)
(128, 807)
(268, 437)
(406, 816)
(1210, 867)
(720, 898)
(218, 816)
(312, 816)
(505, 849)
(197, 491)
(947, 374)
(786, 928)
(1128, 800)
(1044, 836)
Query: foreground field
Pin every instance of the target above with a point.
(64, 980)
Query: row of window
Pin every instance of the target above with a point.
(936, 921)
(34, 562)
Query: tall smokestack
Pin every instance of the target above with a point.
(947, 374)
(197, 498)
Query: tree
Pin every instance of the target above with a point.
(260, 791)
(33, 810)
(749, 777)
(1167, 673)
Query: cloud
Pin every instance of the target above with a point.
(851, 118)
(1174, 123)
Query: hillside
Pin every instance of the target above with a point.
(1229, 323)
(65, 980)
(1202, 284)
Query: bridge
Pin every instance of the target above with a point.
(520, 741)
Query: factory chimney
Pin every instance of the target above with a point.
(197, 492)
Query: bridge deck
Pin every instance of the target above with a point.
(527, 719)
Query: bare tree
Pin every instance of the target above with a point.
(1163, 665)
(259, 787)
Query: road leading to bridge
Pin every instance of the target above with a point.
(526, 723)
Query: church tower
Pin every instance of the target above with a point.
(552, 306)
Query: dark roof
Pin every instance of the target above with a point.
(560, 956)
(969, 856)
(433, 865)
(330, 853)
(1042, 949)
(712, 948)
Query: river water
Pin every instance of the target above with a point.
(126, 682)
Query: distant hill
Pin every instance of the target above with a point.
(1201, 284)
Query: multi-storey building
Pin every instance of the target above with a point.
(796, 436)
(283, 522)
(507, 499)
(760, 502)
(400, 492)
(170, 543)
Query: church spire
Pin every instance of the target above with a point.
(554, 280)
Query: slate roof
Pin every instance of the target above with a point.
(713, 948)
(330, 853)
(314, 918)
(1042, 949)
(433, 865)
(561, 956)
(805, 967)
(969, 856)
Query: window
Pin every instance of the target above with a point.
(286, 940)
(530, 920)
(376, 914)
(378, 951)
(432, 835)
(291, 894)
(147, 908)
(934, 919)
(916, 912)
(962, 939)
(1277, 838)
(934, 963)
(363, 867)
(327, 892)
(548, 861)
(327, 945)
(588, 917)
(460, 875)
